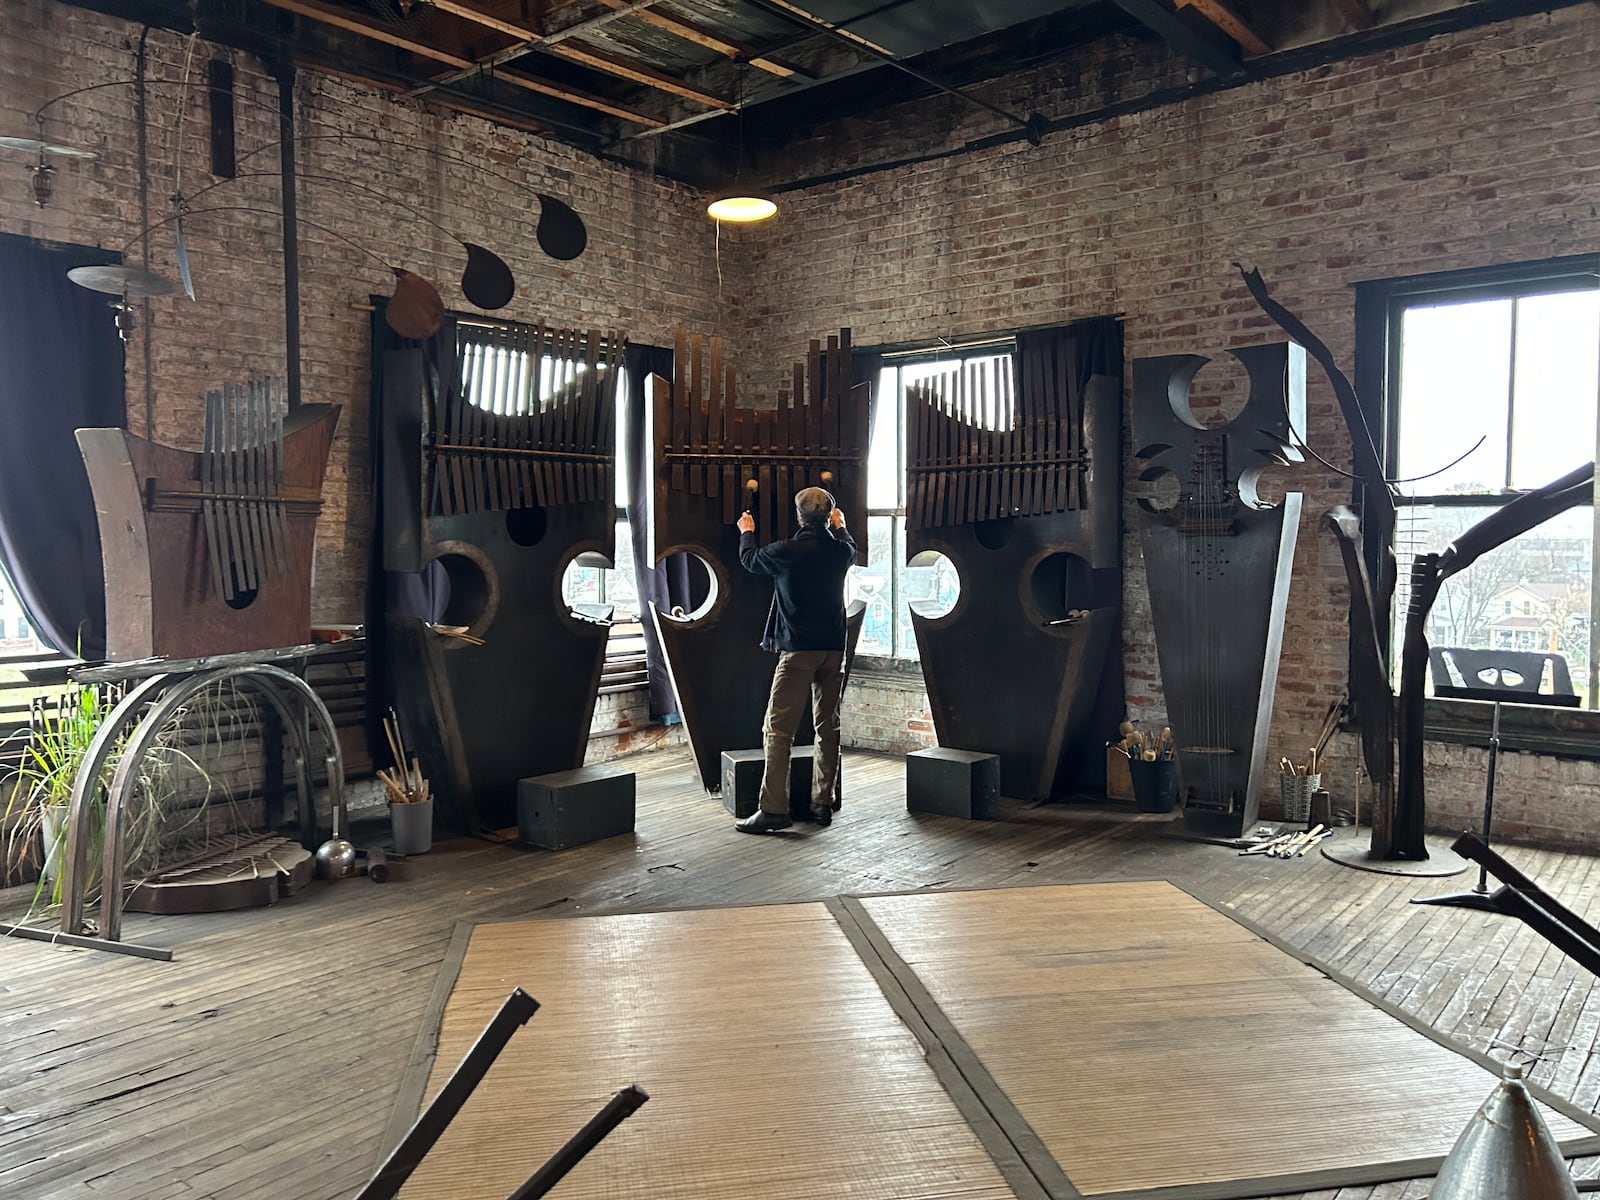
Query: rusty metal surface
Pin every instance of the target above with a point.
(1218, 569)
(708, 451)
(1022, 492)
(210, 552)
(498, 503)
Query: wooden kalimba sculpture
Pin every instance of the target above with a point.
(497, 472)
(715, 460)
(1218, 563)
(1021, 491)
(210, 552)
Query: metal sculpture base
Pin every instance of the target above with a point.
(1439, 863)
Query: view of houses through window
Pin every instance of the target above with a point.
(1517, 365)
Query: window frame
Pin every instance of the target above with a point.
(897, 357)
(1543, 729)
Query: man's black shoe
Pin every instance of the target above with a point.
(762, 821)
(823, 815)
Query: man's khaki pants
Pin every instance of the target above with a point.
(818, 674)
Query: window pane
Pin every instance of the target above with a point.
(1557, 381)
(1455, 369)
(883, 456)
(873, 586)
(1531, 594)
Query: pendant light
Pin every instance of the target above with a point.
(737, 206)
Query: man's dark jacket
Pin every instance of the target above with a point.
(808, 573)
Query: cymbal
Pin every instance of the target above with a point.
(120, 281)
(35, 146)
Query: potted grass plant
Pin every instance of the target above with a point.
(60, 731)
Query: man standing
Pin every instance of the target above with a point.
(806, 628)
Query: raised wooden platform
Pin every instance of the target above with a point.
(266, 1060)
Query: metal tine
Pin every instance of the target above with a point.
(1074, 426)
(678, 408)
(250, 396)
(247, 508)
(1005, 419)
(280, 535)
(591, 410)
(511, 419)
(556, 409)
(263, 475)
(236, 552)
(969, 447)
(460, 403)
(1055, 390)
(208, 488)
(541, 419)
(569, 417)
(494, 423)
(980, 424)
(528, 413)
(477, 485)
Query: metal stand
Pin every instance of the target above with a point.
(1479, 896)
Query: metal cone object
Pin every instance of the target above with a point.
(1506, 1152)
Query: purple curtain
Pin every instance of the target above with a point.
(60, 370)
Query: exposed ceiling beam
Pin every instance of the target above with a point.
(700, 36)
(810, 20)
(1230, 22)
(1202, 45)
(644, 75)
(316, 10)
(1356, 13)
(532, 39)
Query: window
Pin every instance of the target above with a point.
(889, 586)
(1490, 381)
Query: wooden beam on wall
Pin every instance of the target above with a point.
(1203, 45)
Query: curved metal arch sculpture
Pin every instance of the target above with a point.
(144, 711)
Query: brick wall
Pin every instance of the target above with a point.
(1465, 150)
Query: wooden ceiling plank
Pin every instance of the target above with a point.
(1230, 22)
(587, 101)
(1356, 13)
(808, 16)
(318, 11)
(340, 19)
(555, 43)
(700, 36)
(644, 75)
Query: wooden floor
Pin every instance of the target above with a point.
(265, 1061)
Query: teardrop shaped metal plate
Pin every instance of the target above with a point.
(487, 282)
(416, 311)
(561, 231)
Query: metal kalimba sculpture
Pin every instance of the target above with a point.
(497, 470)
(1218, 563)
(1020, 488)
(715, 460)
(210, 552)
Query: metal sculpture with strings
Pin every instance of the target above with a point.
(714, 460)
(1018, 482)
(496, 471)
(1218, 563)
(210, 551)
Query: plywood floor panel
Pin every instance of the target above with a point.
(1225, 1059)
(775, 1064)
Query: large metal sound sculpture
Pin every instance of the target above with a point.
(497, 472)
(209, 552)
(715, 460)
(1218, 562)
(1020, 489)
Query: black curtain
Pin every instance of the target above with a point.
(674, 583)
(61, 367)
(1087, 348)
